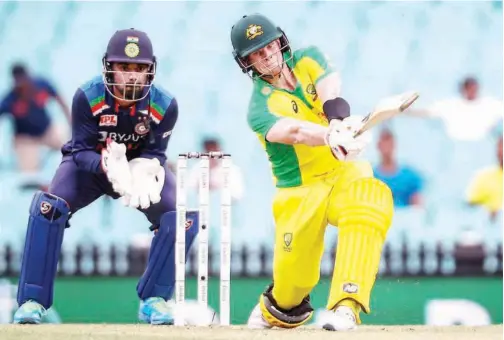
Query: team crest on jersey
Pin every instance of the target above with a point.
(45, 207)
(253, 31)
(141, 128)
(287, 242)
(310, 89)
(108, 120)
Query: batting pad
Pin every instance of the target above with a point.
(158, 279)
(365, 217)
(44, 236)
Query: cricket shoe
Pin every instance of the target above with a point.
(256, 319)
(155, 311)
(340, 319)
(30, 312)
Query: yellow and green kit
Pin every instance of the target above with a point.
(314, 190)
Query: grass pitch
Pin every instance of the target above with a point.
(144, 332)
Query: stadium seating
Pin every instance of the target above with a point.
(66, 40)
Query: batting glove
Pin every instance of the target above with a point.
(340, 138)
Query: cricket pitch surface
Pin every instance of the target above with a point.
(141, 332)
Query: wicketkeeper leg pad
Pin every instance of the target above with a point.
(278, 317)
(44, 235)
(365, 215)
(158, 279)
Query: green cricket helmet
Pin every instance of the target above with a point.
(251, 33)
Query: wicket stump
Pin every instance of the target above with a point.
(225, 244)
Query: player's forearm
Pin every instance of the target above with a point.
(329, 87)
(294, 131)
(334, 106)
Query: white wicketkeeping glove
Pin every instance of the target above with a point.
(115, 165)
(340, 138)
(148, 180)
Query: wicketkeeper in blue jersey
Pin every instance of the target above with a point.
(121, 125)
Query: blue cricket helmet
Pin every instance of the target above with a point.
(129, 46)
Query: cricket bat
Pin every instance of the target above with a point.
(386, 109)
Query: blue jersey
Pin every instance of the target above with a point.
(404, 184)
(29, 112)
(145, 127)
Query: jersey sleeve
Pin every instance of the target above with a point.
(320, 65)
(84, 135)
(49, 87)
(416, 181)
(495, 109)
(260, 118)
(476, 191)
(161, 134)
(4, 106)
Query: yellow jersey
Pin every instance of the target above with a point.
(486, 189)
(293, 165)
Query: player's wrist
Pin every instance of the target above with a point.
(337, 108)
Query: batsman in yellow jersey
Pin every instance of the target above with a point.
(307, 132)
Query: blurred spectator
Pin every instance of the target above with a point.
(26, 102)
(485, 189)
(470, 117)
(404, 182)
(235, 176)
